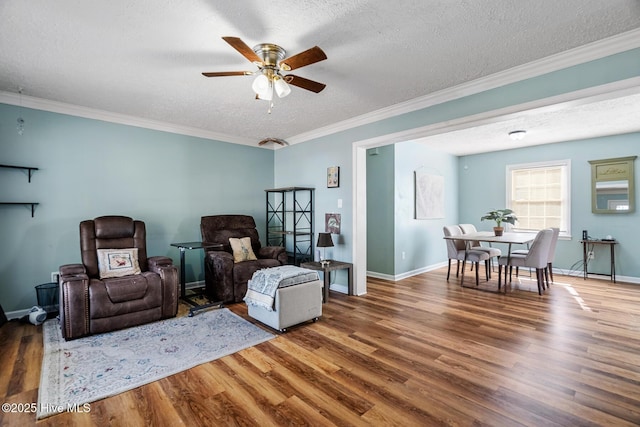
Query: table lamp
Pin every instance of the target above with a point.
(324, 241)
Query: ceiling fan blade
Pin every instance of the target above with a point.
(307, 84)
(309, 56)
(227, 73)
(244, 50)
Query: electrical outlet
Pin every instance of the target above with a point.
(54, 276)
(591, 255)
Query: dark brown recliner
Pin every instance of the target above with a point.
(90, 305)
(226, 281)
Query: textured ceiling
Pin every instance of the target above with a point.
(144, 58)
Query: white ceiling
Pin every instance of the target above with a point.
(144, 58)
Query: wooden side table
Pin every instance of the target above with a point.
(326, 269)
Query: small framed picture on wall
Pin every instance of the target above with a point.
(333, 176)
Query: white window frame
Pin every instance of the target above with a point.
(565, 222)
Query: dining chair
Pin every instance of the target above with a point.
(477, 246)
(552, 253)
(457, 249)
(537, 257)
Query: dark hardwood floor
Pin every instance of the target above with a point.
(421, 351)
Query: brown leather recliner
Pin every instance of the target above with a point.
(91, 305)
(226, 281)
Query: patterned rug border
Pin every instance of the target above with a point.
(55, 347)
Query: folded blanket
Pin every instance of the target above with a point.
(262, 287)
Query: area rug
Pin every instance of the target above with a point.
(88, 369)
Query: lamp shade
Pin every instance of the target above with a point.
(282, 88)
(324, 240)
(263, 88)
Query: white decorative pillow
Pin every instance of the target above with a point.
(118, 262)
(242, 250)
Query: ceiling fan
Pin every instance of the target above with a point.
(271, 63)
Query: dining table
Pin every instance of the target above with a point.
(508, 238)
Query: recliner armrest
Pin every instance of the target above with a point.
(74, 301)
(272, 252)
(163, 266)
(72, 270)
(156, 262)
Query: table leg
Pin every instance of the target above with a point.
(507, 267)
(584, 259)
(183, 289)
(613, 262)
(327, 279)
(350, 281)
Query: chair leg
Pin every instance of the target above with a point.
(487, 272)
(545, 284)
(550, 267)
(499, 276)
(462, 275)
(477, 273)
(540, 279)
(458, 268)
(449, 269)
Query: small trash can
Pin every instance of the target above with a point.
(48, 298)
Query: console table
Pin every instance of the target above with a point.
(585, 258)
(183, 246)
(326, 269)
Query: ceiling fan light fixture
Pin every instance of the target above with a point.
(281, 87)
(260, 85)
(517, 135)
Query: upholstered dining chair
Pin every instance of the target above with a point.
(457, 250)
(537, 257)
(477, 246)
(552, 252)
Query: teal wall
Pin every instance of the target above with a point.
(90, 168)
(483, 187)
(392, 229)
(305, 165)
(421, 239)
(381, 210)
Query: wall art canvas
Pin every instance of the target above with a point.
(333, 176)
(332, 223)
(429, 196)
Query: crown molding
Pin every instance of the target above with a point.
(107, 116)
(579, 55)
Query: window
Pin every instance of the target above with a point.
(540, 195)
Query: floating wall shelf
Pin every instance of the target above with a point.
(32, 204)
(27, 168)
(30, 171)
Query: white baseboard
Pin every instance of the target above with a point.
(375, 275)
(406, 274)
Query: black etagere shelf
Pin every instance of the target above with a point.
(290, 221)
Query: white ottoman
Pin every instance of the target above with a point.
(293, 304)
